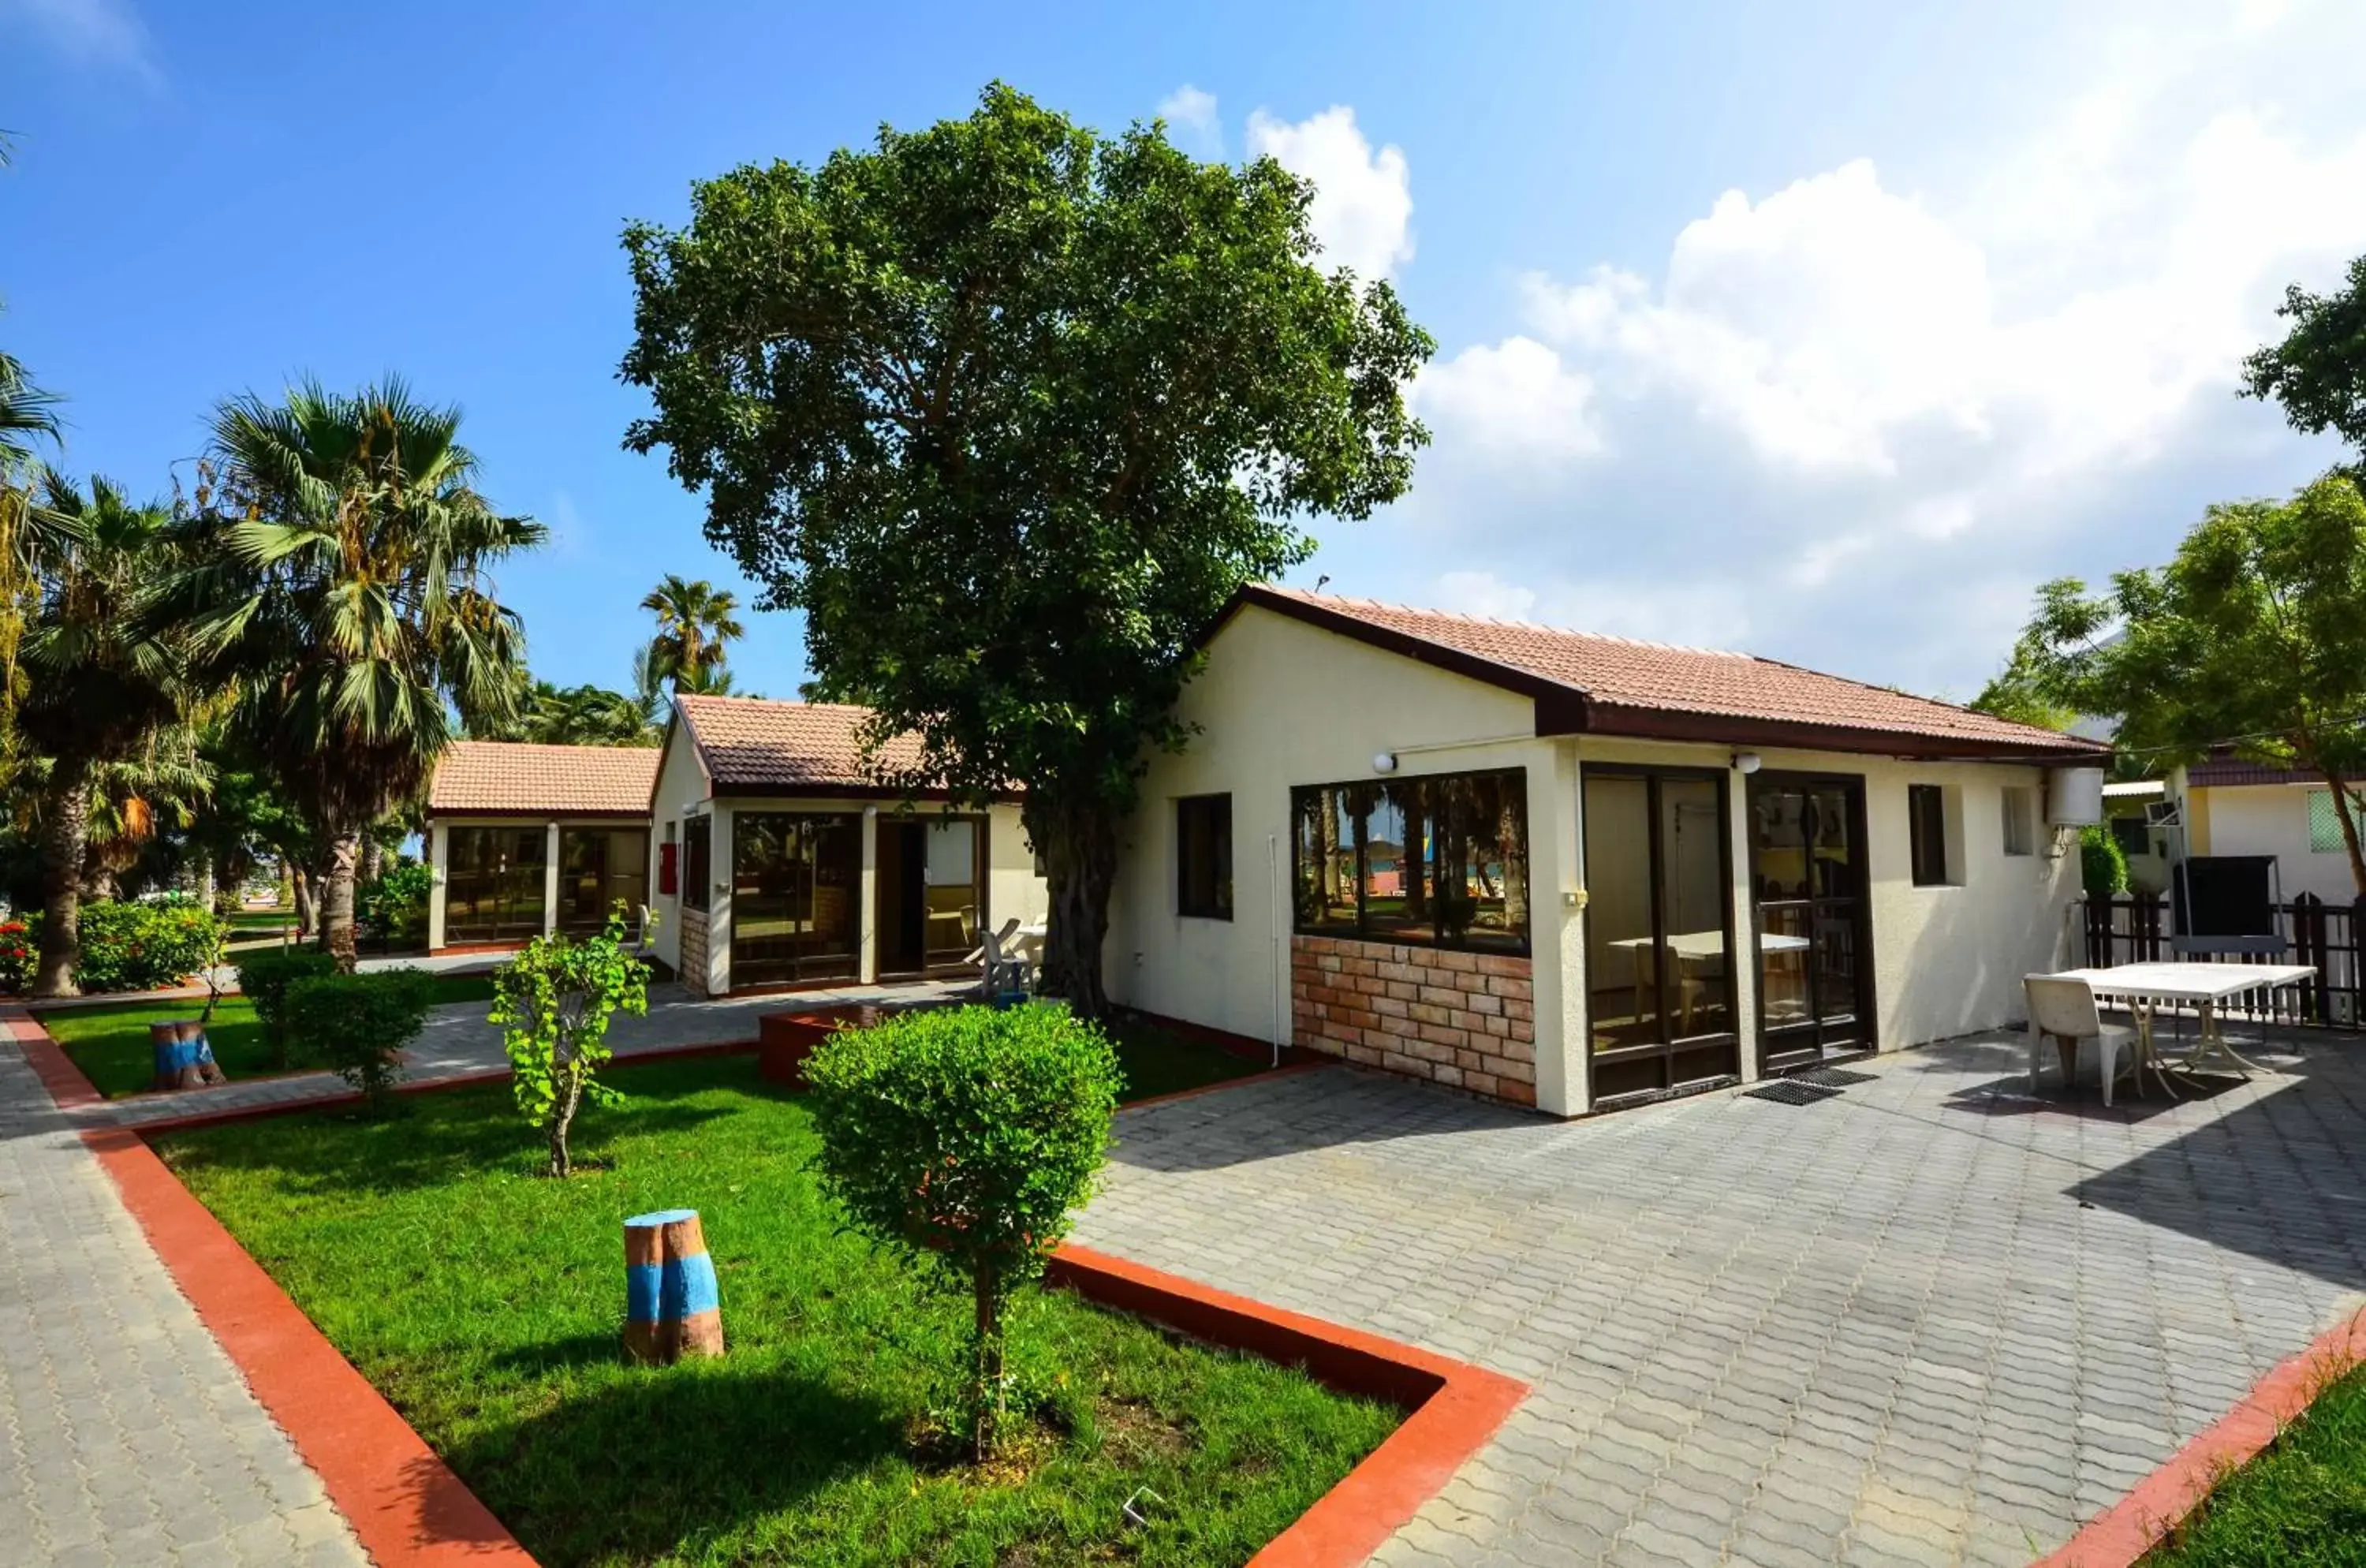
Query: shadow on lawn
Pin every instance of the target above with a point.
(648, 1460)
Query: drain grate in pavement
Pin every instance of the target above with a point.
(1791, 1091)
(1831, 1078)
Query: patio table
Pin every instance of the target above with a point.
(1692, 947)
(2144, 987)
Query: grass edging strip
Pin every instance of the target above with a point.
(1452, 1407)
(404, 1504)
(2124, 1533)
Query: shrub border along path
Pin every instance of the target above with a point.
(411, 1511)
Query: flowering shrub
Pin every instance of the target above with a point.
(16, 955)
(126, 947)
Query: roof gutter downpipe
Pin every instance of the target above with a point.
(1280, 943)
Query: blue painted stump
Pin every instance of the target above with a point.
(184, 1059)
(673, 1307)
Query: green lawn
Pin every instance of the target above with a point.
(486, 1300)
(110, 1046)
(1156, 1062)
(2301, 1504)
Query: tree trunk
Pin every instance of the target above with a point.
(2347, 818)
(299, 888)
(63, 828)
(337, 908)
(986, 1395)
(373, 859)
(1078, 838)
(562, 1117)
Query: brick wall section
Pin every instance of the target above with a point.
(693, 951)
(1464, 1019)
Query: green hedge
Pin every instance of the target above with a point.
(265, 977)
(358, 1023)
(395, 906)
(125, 947)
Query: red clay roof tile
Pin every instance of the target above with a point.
(480, 777)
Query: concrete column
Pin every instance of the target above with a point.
(439, 865)
(718, 902)
(867, 914)
(550, 879)
(1743, 962)
(1557, 928)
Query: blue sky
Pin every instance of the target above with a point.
(1825, 336)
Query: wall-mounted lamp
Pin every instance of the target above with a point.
(1747, 763)
(1384, 762)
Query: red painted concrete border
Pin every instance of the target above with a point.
(67, 1087)
(1452, 1406)
(2122, 1533)
(404, 1503)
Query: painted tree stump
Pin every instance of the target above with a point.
(184, 1059)
(673, 1307)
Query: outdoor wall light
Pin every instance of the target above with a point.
(1747, 763)
(1384, 762)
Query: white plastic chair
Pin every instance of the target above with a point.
(2062, 1008)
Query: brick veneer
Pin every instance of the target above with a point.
(1465, 1019)
(694, 971)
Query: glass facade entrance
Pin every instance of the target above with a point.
(1807, 875)
(797, 896)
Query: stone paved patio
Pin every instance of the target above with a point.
(126, 1435)
(1931, 1320)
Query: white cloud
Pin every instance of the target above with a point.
(1514, 398)
(1857, 415)
(1192, 114)
(1362, 211)
(88, 32)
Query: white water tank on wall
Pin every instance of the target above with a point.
(2074, 796)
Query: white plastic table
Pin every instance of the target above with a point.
(1692, 947)
(2207, 985)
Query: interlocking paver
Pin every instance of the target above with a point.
(132, 1440)
(1931, 1320)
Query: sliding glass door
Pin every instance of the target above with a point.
(493, 883)
(1659, 930)
(796, 895)
(1807, 875)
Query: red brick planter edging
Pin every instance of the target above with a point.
(1452, 1407)
(411, 1511)
(2122, 1533)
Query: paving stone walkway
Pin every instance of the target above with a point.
(126, 1435)
(1928, 1320)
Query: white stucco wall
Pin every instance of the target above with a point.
(2272, 819)
(1283, 703)
(680, 781)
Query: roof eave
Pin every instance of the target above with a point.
(1665, 724)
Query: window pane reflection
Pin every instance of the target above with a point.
(1441, 859)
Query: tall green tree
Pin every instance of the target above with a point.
(1010, 410)
(697, 623)
(588, 716)
(342, 572)
(2318, 370)
(103, 680)
(2254, 636)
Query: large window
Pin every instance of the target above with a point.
(1440, 860)
(1926, 822)
(493, 883)
(600, 868)
(796, 892)
(1203, 856)
(697, 863)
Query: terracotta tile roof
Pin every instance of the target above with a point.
(751, 742)
(1624, 684)
(485, 776)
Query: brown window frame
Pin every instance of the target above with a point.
(1203, 833)
(1470, 939)
(698, 862)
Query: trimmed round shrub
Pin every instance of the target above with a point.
(965, 1140)
(264, 978)
(2103, 867)
(358, 1024)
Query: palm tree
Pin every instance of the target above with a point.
(104, 681)
(29, 531)
(586, 715)
(695, 626)
(342, 570)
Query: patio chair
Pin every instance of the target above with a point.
(1005, 976)
(2063, 1008)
